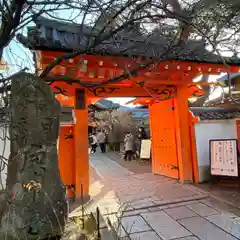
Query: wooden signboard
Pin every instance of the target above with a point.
(224, 157)
(145, 152)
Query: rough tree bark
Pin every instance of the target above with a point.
(36, 204)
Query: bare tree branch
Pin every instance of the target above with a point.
(10, 20)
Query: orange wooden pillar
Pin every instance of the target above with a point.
(81, 145)
(66, 158)
(183, 138)
(192, 121)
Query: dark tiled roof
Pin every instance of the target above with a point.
(59, 36)
(206, 113)
(215, 113)
(67, 117)
(201, 112)
(97, 106)
(137, 113)
(225, 102)
(107, 104)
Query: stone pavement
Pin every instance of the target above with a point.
(134, 166)
(229, 193)
(147, 206)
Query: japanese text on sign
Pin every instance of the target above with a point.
(224, 160)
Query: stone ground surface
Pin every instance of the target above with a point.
(228, 193)
(138, 167)
(146, 206)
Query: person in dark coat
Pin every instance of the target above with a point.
(93, 143)
(141, 135)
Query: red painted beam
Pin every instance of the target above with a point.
(100, 92)
(112, 63)
(120, 91)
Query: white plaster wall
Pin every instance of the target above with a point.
(4, 151)
(205, 131)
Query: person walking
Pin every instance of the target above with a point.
(101, 138)
(128, 146)
(93, 142)
(141, 135)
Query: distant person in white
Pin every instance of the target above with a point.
(101, 138)
(128, 146)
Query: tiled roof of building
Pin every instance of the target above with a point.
(207, 113)
(107, 104)
(223, 103)
(103, 104)
(138, 113)
(59, 36)
(215, 113)
(202, 112)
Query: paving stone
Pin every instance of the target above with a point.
(205, 230)
(135, 212)
(154, 209)
(188, 238)
(224, 209)
(134, 224)
(108, 205)
(121, 232)
(145, 236)
(180, 212)
(202, 209)
(181, 204)
(157, 189)
(165, 226)
(106, 234)
(163, 207)
(172, 205)
(129, 197)
(143, 203)
(229, 224)
(176, 191)
(113, 219)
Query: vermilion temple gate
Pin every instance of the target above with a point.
(169, 83)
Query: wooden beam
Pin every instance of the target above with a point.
(119, 91)
(100, 92)
(112, 63)
(152, 79)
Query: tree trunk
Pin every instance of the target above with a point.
(36, 203)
